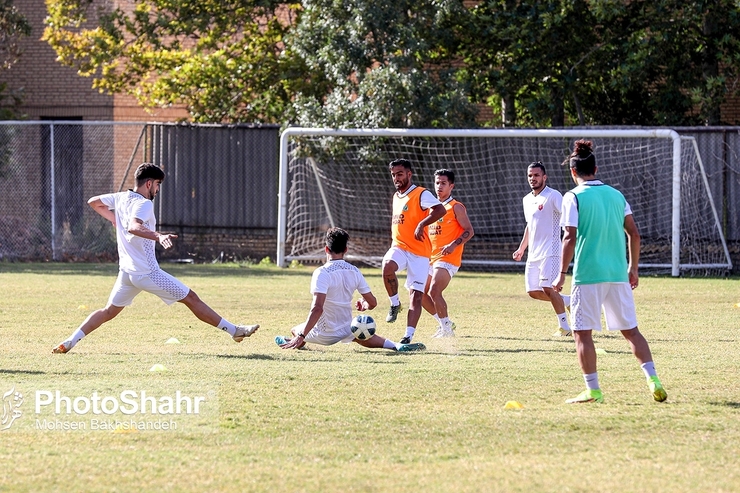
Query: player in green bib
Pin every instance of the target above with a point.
(595, 218)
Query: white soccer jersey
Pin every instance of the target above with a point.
(542, 213)
(135, 254)
(338, 280)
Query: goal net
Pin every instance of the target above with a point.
(341, 178)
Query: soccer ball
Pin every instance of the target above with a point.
(363, 327)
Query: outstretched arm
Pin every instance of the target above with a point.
(136, 227)
(317, 308)
(102, 209)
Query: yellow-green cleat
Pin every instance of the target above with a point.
(587, 396)
(659, 393)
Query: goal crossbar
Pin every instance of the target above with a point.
(675, 139)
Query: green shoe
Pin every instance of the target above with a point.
(657, 389)
(587, 396)
(406, 348)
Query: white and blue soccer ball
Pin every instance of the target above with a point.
(363, 327)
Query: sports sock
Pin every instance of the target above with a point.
(563, 321)
(649, 369)
(436, 317)
(592, 380)
(227, 326)
(566, 299)
(388, 344)
(394, 300)
(410, 331)
(76, 337)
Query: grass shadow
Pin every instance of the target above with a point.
(732, 404)
(255, 356)
(23, 372)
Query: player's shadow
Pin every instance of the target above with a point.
(732, 404)
(23, 372)
(255, 356)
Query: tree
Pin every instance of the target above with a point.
(380, 64)
(638, 62)
(225, 60)
(13, 27)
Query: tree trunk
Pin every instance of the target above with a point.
(558, 109)
(710, 69)
(508, 111)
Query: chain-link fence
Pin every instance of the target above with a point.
(222, 183)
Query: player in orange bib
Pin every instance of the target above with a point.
(414, 209)
(447, 235)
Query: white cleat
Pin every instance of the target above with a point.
(243, 331)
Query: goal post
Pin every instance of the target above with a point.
(339, 177)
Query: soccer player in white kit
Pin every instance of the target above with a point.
(132, 214)
(333, 285)
(542, 236)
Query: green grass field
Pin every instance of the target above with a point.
(345, 418)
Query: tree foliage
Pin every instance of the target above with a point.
(224, 59)
(364, 63)
(13, 27)
(380, 64)
(644, 62)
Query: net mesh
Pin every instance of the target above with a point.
(344, 181)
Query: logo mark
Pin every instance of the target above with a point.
(12, 401)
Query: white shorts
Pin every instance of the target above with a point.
(324, 336)
(587, 300)
(541, 273)
(438, 264)
(416, 267)
(159, 283)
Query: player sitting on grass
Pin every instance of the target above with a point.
(132, 214)
(330, 317)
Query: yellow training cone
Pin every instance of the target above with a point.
(82, 307)
(158, 367)
(513, 405)
(600, 350)
(737, 305)
(172, 340)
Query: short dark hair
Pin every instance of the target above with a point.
(538, 164)
(400, 162)
(446, 172)
(336, 240)
(148, 171)
(582, 158)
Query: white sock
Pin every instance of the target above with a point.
(563, 321)
(388, 344)
(76, 337)
(592, 380)
(436, 317)
(410, 331)
(649, 369)
(566, 299)
(394, 300)
(227, 326)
